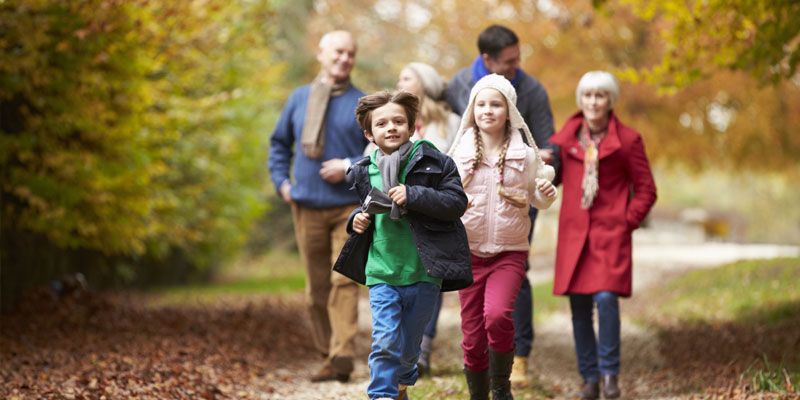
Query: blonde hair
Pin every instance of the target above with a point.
(432, 107)
(431, 110)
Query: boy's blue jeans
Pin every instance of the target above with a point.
(591, 349)
(399, 315)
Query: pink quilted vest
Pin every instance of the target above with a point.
(493, 224)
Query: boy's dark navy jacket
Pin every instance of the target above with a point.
(435, 204)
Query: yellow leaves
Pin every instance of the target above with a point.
(713, 35)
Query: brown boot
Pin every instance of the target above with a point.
(590, 391)
(519, 372)
(326, 373)
(403, 393)
(610, 387)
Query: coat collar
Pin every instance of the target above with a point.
(422, 151)
(567, 137)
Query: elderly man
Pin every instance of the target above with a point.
(500, 54)
(317, 138)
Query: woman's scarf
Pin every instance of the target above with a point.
(590, 142)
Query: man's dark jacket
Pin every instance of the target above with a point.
(435, 201)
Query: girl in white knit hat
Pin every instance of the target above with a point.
(502, 177)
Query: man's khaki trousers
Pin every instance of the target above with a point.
(332, 298)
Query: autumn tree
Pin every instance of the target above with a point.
(700, 37)
(132, 130)
(720, 118)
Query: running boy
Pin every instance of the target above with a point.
(413, 250)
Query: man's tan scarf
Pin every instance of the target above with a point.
(313, 137)
(590, 142)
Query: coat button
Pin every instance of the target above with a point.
(573, 150)
(428, 169)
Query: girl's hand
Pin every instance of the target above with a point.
(361, 222)
(470, 202)
(398, 194)
(545, 187)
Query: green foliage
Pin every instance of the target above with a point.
(545, 302)
(75, 164)
(274, 272)
(765, 289)
(772, 379)
(132, 128)
(699, 36)
(766, 212)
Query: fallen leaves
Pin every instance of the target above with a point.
(113, 346)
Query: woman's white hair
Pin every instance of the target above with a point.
(600, 80)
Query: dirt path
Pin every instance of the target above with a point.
(254, 347)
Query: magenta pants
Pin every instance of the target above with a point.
(487, 307)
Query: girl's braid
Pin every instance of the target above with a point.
(503, 150)
(478, 157)
(515, 200)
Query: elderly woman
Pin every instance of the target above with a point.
(608, 190)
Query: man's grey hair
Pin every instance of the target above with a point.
(325, 40)
(599, 80)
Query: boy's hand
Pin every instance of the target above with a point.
(398, 194)
(545, 187)
(361, 222)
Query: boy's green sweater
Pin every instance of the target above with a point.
(393, 258)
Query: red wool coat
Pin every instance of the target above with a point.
(594, 246)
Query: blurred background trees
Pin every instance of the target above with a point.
(135, 133)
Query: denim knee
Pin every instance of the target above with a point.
(605, 298)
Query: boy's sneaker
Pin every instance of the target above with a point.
(519, 372)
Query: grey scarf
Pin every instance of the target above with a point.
(390, 167)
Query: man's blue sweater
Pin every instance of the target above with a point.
(343, 139)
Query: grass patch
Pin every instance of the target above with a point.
(270, 274)
(453, 385)
(546, 303)
(719, 327)
(766, 289)
(773, 378)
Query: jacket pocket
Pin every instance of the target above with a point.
(439, 226)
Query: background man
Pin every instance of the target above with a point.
(317, 137)
(500, 54)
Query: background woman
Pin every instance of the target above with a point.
(437, 124)
(435, 121)
(608, 190)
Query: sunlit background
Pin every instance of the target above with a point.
(135, 133)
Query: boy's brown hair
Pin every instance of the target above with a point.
(369, 103)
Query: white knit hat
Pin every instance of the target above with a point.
(432, 82)
(502, 85)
